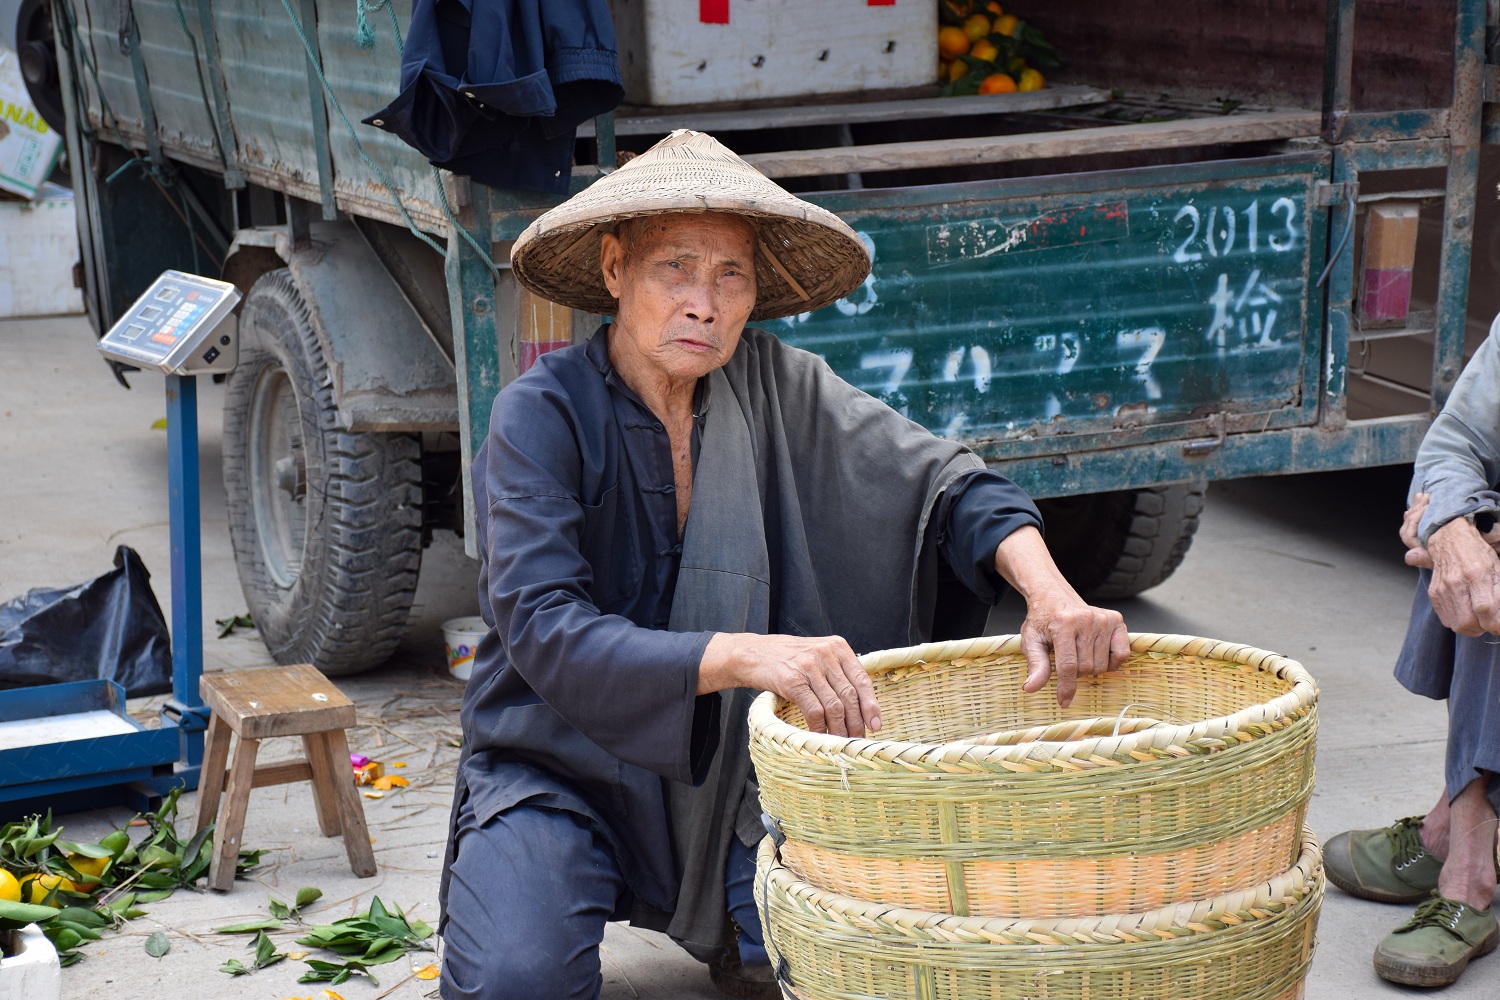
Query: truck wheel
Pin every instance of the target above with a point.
(1112, 546)
(326, 523)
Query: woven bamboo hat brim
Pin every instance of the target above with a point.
(807, 257)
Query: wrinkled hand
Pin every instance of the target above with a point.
(1465, 588)
(821, 676)
(1082, 641)
(1416, 553)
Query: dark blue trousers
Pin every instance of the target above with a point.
(530, 893)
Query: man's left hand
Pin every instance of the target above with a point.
(1060, 626)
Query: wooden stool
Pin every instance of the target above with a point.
(278, 701)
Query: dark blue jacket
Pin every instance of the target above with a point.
(495, 89)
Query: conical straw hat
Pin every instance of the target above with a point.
(807, 257)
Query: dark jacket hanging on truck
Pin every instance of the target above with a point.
(495, 89)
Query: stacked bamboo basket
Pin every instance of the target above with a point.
(1150, 844)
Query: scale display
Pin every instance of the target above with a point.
(178, 327)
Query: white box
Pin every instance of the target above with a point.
(28, 147)
(38, 247)
(772, 48)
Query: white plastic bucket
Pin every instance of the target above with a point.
(461, 636)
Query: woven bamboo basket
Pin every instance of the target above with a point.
(1253, 944)
(1181, 776)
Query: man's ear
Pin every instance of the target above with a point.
(612, 262)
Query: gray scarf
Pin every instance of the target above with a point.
(810, 513)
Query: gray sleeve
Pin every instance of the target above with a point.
(1459, 460)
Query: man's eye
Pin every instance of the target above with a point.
(675, 263)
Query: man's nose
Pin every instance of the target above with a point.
(702, 302)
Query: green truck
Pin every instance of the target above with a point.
(1154, 273)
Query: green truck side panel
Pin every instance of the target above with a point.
(1141, 302)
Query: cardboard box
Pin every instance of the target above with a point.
(697, 51)
(38, 247)
(28, 147)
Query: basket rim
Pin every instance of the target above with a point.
(765, 725)
(1104, 929)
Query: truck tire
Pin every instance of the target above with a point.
(1112, 546)
(326, 523)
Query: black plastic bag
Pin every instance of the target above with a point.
(110, 627)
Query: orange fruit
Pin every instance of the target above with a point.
(957, 70)
(38, 886)
(976, 26)
(984, 50)
(995, 9)
(1031, 80)
(952, 42)
(85, 865)
(9, 888)
(1007, 25)
(997, 83)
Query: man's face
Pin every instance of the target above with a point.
(685, 285)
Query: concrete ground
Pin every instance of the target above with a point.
(1308, 566)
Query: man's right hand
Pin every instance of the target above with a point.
(821, 676)
(1465, 589)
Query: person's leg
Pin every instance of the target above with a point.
(530, 893)
(1401, 863)
(1435, 827)
(1457, 924)
(739, 890)
(744, 970)
(1469, 867)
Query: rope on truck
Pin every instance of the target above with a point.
(359, 147)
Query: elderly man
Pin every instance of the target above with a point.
(677, 514)
(1445, 861)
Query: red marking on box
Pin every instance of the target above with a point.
(1387, 293)
(527, 353)
(713, 11)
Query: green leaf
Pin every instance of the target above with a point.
(265, 951)
(279, 910)
(116, 842)
(159, 424)
(157, 880)
(155, 896)
(67, 958)
(87, 850)
(234, 967)
(377, 908)
(157, 945)
(26, 913)
(64, 938)
(157, 857)
(79, 915)
(86, 933)
(250, 927)
(228, 625)
(307, 895)
(335, 973)
(121, 903)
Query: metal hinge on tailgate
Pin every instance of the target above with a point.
(1326, 194)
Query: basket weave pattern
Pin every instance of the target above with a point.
(1252, 944)
(976, 800)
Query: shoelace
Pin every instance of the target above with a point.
(1436, 912)
(1406, 842)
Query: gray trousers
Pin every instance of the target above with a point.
(1437, 662)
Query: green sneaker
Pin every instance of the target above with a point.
(1387, 866)
(1434, 947)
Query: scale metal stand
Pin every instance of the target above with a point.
(72, 746)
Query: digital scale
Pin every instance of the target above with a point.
(178, 328)
(73, 746)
